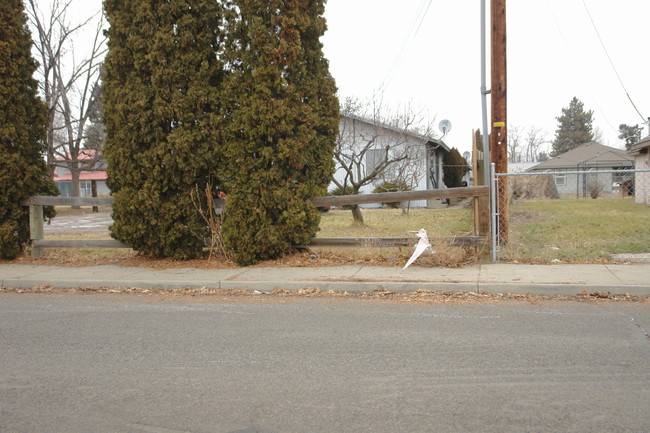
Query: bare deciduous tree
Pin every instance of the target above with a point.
(67, 84)
(535, 138)
(376, 146)
(514, 143)
(525, 145)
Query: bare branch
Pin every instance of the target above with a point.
(67, 84)
(373, 145)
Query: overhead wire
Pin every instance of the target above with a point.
(573, 56)
(593, 23)
(416, 23)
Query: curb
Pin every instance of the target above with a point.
(344, 286)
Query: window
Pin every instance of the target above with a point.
(375, 158)
(65, 188)
(85, 188)
(560, 179)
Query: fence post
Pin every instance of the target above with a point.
(483, 208)
(482, 222)
(36, 228)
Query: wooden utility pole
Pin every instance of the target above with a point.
(498, 138)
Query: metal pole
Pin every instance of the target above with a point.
(493, 199)
(484, 93)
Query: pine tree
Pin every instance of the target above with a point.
(574, 128)
(630, 134)
(162, 117)
(282, 130)
(23, 171)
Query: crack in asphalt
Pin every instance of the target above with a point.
(638, 325)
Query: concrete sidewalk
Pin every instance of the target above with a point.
(567, 279)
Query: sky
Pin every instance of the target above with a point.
(553, 54)
(426, 54)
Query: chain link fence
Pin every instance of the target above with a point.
(572, 216)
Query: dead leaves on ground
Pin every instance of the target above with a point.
(207, 294)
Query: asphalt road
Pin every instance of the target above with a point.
(128, 363)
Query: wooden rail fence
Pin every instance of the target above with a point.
(479, 239)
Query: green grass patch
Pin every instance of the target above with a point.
(576, 230)
(392, 223)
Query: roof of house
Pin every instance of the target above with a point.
(84, 155)
(93, 175)
(587, 155)
(638, 147)
(425, 138)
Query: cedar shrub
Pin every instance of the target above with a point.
(23, 171)
(162, 113)
(282, 125)
(454, 167)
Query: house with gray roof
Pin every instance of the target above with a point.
(573, 171)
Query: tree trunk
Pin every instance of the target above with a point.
(94, 190)
(75, 185)
(356, 214)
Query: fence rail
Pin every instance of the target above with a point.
(479, 193)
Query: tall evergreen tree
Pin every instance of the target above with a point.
(574, 128)
(162, 115)
(283, 127)
(630, 134)
(23, 171)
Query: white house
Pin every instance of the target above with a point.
(365, 145)
(641, 153)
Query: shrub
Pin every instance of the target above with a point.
(23, 171)
(162, 115)
(454, 167)
(340, 191)
(391, 187)
(283, 122)
(594, 188)
(533, 186)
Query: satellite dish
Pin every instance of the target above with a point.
(444, 126)
(467, 155)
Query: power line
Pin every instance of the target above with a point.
(611, 62)
(575, 56)
(418, 18)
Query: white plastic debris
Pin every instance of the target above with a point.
(420, 247)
